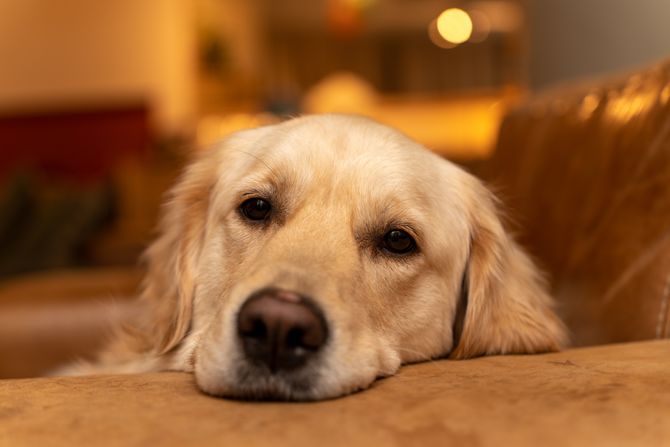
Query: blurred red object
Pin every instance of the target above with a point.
(76, 145)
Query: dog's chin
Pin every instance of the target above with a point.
(250, 382)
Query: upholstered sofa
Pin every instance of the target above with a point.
(585, 172)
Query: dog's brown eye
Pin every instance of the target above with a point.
(398, 242)
(255, 209)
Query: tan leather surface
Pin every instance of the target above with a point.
(603, 396)
(51, 318)
(585, 171)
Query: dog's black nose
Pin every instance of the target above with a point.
(280, 329)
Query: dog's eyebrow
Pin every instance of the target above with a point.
(260, 160)
(266, 190)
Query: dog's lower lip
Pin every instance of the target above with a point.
(259, 383)
(260, 395)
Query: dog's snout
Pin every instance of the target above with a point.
(280, 329)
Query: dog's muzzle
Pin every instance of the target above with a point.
(280, 330)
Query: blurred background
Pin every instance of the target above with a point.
(102, 102)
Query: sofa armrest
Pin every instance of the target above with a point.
(603, 396)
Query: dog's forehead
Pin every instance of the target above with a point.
(354, 158)
(343, 136)
(335, 146)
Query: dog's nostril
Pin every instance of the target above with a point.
(294, 338)
(253, 328)
(281, 334)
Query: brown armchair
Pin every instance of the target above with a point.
(585, 172)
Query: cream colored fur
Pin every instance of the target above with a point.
(336, 182)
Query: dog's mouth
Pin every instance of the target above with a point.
(281, 347)
(258, 383)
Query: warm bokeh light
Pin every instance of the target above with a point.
(341, 92)
(436, 38)
(454, 25)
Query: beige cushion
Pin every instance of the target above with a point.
(602, 396)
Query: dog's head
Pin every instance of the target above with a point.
(304, 260)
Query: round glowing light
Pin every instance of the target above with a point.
(454, 25)
(434, 36)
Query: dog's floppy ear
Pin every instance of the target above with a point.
(169, 285)
(506, 306)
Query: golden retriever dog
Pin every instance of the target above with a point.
(303, 260)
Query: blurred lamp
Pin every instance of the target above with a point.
(436, 38)
(454, 25)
